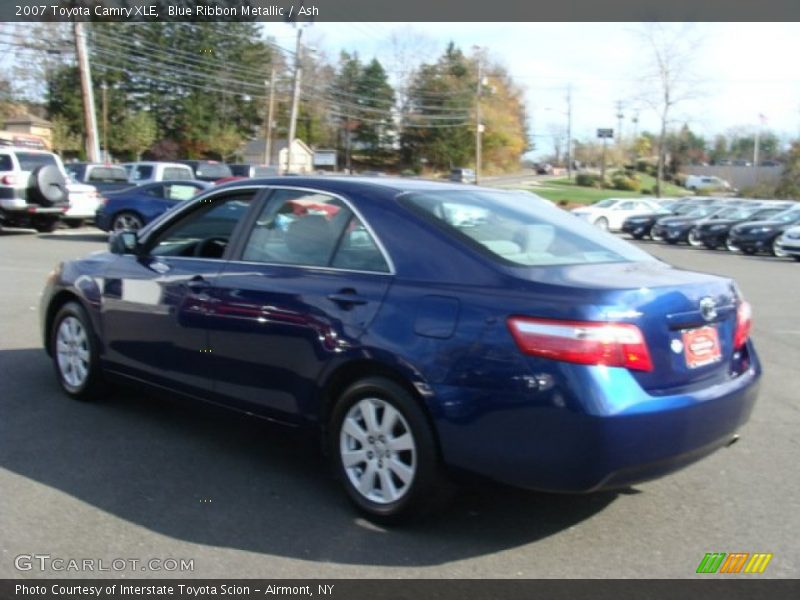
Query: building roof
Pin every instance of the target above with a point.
(27, 119)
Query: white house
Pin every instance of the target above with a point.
(302, 155)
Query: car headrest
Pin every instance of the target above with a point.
(309, 236)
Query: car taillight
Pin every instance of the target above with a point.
(583, 342)
(9, 180)
(103, 200)
(744, 320)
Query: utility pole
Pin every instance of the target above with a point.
(569, 132)
(478, 124)
(620, 116)
(106, 157)
(89, 118)
(298, 72)
(270, 111)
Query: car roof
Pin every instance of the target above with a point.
(344, 184)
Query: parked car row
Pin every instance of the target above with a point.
(38, 190)
(747, 226)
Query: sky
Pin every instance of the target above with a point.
(738, 71)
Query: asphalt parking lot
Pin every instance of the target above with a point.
(142, 477)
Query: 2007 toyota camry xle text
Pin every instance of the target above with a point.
(423, 328)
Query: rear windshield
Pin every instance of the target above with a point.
(213, 170)
(108, 174)
(520, 229)
(178, 173)
(28, 161)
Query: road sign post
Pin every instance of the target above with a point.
(604, 134)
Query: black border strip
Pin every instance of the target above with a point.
(407, 10)
(733, 587)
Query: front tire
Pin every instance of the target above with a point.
(385, 453)
(777, 250)
(74, 349)
(601, 223)
(694, 239)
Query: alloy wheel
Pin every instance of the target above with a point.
(378, 451)
(72, 352)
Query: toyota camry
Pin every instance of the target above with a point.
(423, 329)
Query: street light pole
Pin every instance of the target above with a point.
(478, 124)
(90, 120)
(298, 72)
(569, 132)
(104, 87)
(270, 111)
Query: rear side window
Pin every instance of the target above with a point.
(520, 229)
(142, 172)
(6, 164)
(313, 230)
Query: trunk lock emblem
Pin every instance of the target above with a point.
(708, 308)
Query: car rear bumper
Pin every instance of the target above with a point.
(555, 448)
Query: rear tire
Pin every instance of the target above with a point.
(46, 226)
(73, 345)
(126, 220)
(385, 452)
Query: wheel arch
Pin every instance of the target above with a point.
(348, 373)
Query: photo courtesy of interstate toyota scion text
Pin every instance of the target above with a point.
(425, 330)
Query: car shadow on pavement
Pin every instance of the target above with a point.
(209, 476)
(88, 236)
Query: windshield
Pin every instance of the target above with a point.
(702, 211)
(604, 203)
(788, 216)
(521, 229)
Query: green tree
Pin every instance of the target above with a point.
(789, 185)
(65, 140)
(134, 134)
(375, 132)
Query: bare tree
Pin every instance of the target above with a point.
(667, 80)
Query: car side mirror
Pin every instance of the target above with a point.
(123, 242)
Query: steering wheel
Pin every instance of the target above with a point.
(212, 247)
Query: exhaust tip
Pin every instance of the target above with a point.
(733, 440)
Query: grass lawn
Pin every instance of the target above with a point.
(563, 189)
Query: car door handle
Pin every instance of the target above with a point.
(347, 298)
(198, 284)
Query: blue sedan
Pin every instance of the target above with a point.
(423, 329)
(134, 207)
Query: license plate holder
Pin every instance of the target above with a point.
(701, 346)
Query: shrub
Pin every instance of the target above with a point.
(588, 180)
(625, 182)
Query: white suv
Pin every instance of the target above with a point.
(150, 172)
(35, 191)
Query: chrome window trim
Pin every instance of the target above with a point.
(269, 264)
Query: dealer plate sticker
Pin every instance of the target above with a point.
(701, 346)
